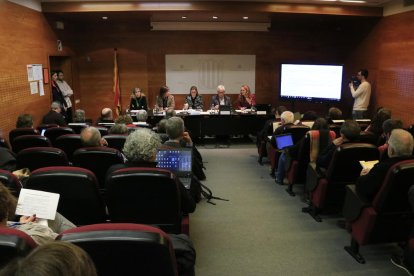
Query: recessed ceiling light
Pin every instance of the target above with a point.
(215, 17)
(245, 17)
(104, 17)
(183, 17)
(352, 1)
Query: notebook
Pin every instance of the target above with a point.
(283, 141)
(177, 160)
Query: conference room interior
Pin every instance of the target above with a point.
(376, 36)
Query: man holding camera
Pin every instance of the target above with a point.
(361, 95)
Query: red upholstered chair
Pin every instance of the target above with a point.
(367, 137)
(14, 243)
(327, 189)
(145, 195)
(46, 126)
(80, 200)
(125, 248)
(98, 160)
(21, 131)
(77, 127)
(54, 132)
(388, 218)
(29, 141)
(40, 157)
(69, 143)
(102, 130)
(11, 182)
(116, 141)
(297, 171)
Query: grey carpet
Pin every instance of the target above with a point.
(262, 231)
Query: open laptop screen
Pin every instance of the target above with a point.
(284, 141)
(177, 160)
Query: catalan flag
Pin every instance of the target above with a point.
(116, 90)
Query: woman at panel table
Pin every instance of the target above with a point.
(138, 100)
(246, 99)
(165, 100)
(194, 100)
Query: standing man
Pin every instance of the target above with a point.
(361, 95)
(220, 98)
(66, 92)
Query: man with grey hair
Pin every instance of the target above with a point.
(54, 116)
(220, 98)
(91, 137)
(400, 148)
(140, 150)
(176, 133)
(106, 116)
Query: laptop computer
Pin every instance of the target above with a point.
(283, 141)
(177, 160)
(224, 109)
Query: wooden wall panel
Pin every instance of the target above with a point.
(25, 38)
(388, 53)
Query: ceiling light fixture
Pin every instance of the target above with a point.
(104, 17)
(353, 1)
(183, 17)
(215, 17)
(245, 17)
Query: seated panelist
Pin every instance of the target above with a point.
(165, 100)
(138, 100)
(246, 99)
(220, 98)
(193, 100)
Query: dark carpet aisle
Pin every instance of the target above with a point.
(262, 231)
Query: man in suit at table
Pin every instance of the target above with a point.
(220, 98)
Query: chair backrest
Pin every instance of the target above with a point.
(297, 131)
(46, 126)
(69, 143)
(102, 130)
(11, 182)
(21, 131)
(145, 195)
(14, 243)
(40, 157)
(29, 141)
(53, 132)
(393, 194)
(116, 141)
(80, 200)
(345, 166)
(367, 137)
(78, 127)
(123, 248)
(98, 160)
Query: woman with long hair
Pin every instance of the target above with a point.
(193, 99)
(246, 99)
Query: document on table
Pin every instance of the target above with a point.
(39, 203)
(368, 164)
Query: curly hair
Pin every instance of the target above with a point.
(8, 203)
(141, 145)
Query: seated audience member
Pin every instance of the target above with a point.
(106, 116)
(286, 120)
(118, 129)
(400, 147)
(54, 116)
(176, 133)
(220, 98)
(24, 121)
(79, 116)
(162, 131)
(334, 113)
(246, 99)
(165, 100)
(40, 233)
(140, 150)
(91, 137)
(309, 116)
(388, 126)
(170, 113)
(379, 118)
(57, 259)
(142, 117)
(125, 119)
(349, 132)
(194, 100)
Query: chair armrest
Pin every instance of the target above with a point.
(313, 174)
(353, 204)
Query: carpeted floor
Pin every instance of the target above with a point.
(262, 231)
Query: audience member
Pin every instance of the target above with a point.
(125, 119)
(246, 99)
(400, 147)
(349, 132)
(379, 118)
(57, 95)
(138, 100)
(286, 120)
(170, 113)
(57, 259)
(40, 233)
(91, 137)
(54, 116)
(220, 98)
(165, 100)
(106, 116)
(66, 92)
(334, 113)
(24, 121)
(79, 116)
(118, 129)
(140, 150)
(309, 116)
(162, 131)
(194, 100)
(175, 130)
(388, 126)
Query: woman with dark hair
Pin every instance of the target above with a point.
(57, 95)
(24, 121)
(379, 118)
(194, 100)
(165, 100)
(138, 100)
(246, 99)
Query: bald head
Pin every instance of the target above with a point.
(106, 113)
(400, 143)
(90, 137)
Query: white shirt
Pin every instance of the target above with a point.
(361, 96)
(66, 91)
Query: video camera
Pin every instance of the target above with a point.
(355, 81)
